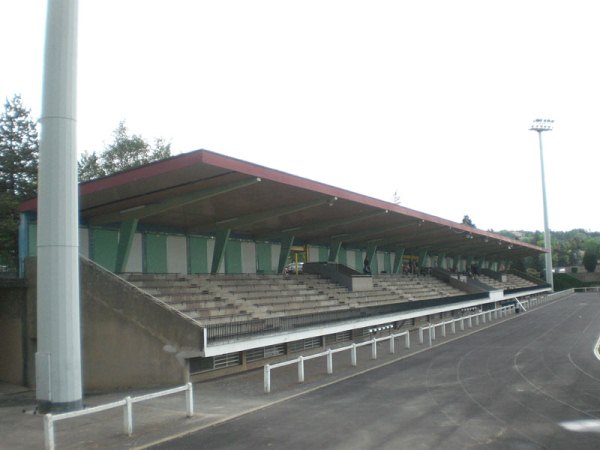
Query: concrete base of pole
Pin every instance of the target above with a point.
(44, 406)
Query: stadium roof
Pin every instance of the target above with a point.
(203, 192)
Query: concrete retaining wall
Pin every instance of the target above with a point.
(129, 339)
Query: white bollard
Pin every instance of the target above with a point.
(443, 329)
(430, 338)
(373, 349)
(470, 321)
(267, 378)
(392, 344)
(407, 340)
(353, 355)
(128, 417)
(300, 369)
(48, 432)
(477, 320)
(189, 400)
(433, 332)
(462, 324)
(483, 317)
(420, 335)
(329, 361)
(453, 326)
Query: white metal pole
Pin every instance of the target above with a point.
(329, 361)
(48, 432)
(353, 355)
(267, 380)
(128, 416)
(300, 369)
(189, 400)
(58, 357)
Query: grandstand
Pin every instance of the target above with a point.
(183, 270)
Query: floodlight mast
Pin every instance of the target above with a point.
(541, 125)
(58, 355)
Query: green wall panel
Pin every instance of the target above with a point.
(263, 257)
(233, 257)
(104, 247)
(387, 262)
(375, 264)
(155, 253)
(358, 260)
(198, 254)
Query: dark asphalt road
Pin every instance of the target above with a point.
(509, 386)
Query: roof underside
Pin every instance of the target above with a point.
(203, 192)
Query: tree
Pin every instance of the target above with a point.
(590, 260)
(467, 221)
(125, 152)
(19, 148)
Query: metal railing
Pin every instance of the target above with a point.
(487, 315)
(126, 403)
(225, 331)
(329, 354)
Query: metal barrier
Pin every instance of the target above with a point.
(484, 315)
(329, 354)
(126, 403)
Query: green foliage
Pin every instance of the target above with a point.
(568, 247)
(467, 221)
(19, 147)
(563, 281)
(125, 152)
(590, 261)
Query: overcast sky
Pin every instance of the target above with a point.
(431, 99)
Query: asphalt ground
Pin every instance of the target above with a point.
(505, 384)
(524, 384)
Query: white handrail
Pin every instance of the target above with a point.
(127, 402)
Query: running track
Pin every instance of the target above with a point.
(526, 383)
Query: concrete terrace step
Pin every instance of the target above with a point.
(297, 311)
(278, 293)
(199, 303)
(223, 319)
(300, 303)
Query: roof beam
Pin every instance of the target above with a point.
(250, 219)
(369, 234)
(343, 221)
(143, 211)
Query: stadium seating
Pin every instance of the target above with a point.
(215, 299)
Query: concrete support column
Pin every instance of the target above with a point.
(286, 246)
(398, 255)
(126, 234)
(220, 245)
(334, 251)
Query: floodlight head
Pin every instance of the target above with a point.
(540, 125)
